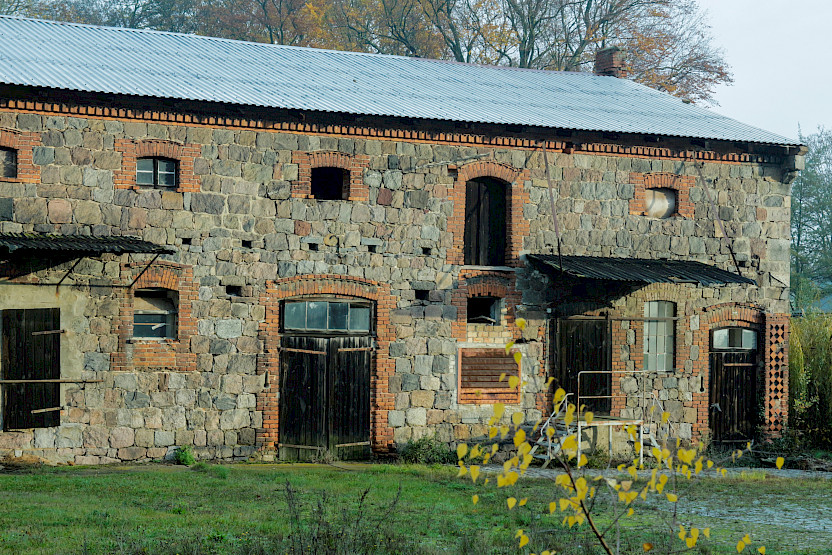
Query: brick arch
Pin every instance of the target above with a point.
(517, 227)
(662, 180)
(132, 150)
(268, 364)
(354, 164)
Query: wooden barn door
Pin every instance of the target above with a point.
(32, 354)
(325, 396)
(734, 388)
(584, 346)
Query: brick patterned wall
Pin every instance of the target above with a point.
(354, 164)
(24, 143)
(185, 154)
(776, 373)
(679, 183)
(168, 353)
(338, 286)
(517, 227)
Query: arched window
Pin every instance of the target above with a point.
(485, 222)
(659, 335)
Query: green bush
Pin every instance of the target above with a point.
(427, 450)
(184, 455)
(810, 377)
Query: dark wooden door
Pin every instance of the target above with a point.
(734, 394)
(485, 223)
(325, 396)
(31, 351)
(584, 349)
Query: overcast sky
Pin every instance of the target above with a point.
(779, 52)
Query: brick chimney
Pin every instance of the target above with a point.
(610, 61)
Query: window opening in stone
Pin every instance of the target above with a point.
(246, 244)
(154, 313)
(484, 310)
(372, 248)
(186, 241)
(660, 202)
(426, 251)
(156, 172)
(659, 335)
(8, 163)
(735, 338)
(234, 290)
(421, 294)
(330, 183)
(312, 246)
(326, 316)
(485, 222)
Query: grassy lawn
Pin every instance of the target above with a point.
(409, 509)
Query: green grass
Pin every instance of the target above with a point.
(243, 509)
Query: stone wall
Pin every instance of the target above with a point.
(241, 218)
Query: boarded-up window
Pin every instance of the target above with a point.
(31, 352)
(154, 313)
(485, 222)
(479, 376)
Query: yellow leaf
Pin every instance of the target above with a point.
(559, 395)
(630, 512)
(461, 450)
(502, 376)
(665, 417)
(589, 417)
(517, 418)
(570, 443)
(499, 410)
(524, 539)
(672, 497)
(746, 539)
(509, 345)
(552, 506)
(513, 381)
(476, 451)
(518, 533)
(740, 546)
(682, 532)
(690, 542)
(547, 552)
(780, 462)
(519, 437)
(762, 549)
(462, 470)
(521, 323)
(475, 499)
(707, 532)
(647, 546)
(522, 502)
(710, 464)
(694, 533)
(503, 431)
(492, 431)
(582, 461)
(511, 502)
(475, 473)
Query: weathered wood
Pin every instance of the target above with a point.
(584, 345)
(485, 222)
(734, 394)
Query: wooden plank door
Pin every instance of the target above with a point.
(584, 345)
(734, 395)
(350, 396)
(303, 396)
(485, 223)
(31, 351)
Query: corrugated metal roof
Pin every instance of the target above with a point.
(168, 65)
(11, 242)
(638, 270)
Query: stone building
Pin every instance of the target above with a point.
(255, 249)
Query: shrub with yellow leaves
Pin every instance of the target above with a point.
(575, 494)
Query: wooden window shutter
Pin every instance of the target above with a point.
(479, 376)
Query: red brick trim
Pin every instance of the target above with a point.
(517, 227)
(184, 154)
(339, 286)
(23, 142)
(679, 183)
(171, 354)
(776, 353)
(355, 164)
(482, 283)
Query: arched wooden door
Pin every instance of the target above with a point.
(326, 355)
(734, 386)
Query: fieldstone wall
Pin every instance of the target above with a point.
(238, 224)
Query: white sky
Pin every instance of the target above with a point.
(779, 52)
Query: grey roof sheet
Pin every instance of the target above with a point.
(11, 242)
(168, 65)
(638, 270)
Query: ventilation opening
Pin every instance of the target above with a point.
(422, 294)
(330, 183)
(8, 162)
(246, 244)
(372, 248)
(312, 246)
(186, 241)
(234, 290)
(484, 310)
(427, 251)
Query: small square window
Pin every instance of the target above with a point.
(330, 183)
(156, 172)
(8, 163)
(154, 313)
(421, 294)
(484, 310)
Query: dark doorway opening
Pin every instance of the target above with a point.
(734, 385)
(485, 222)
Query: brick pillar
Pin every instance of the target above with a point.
(776, 353)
